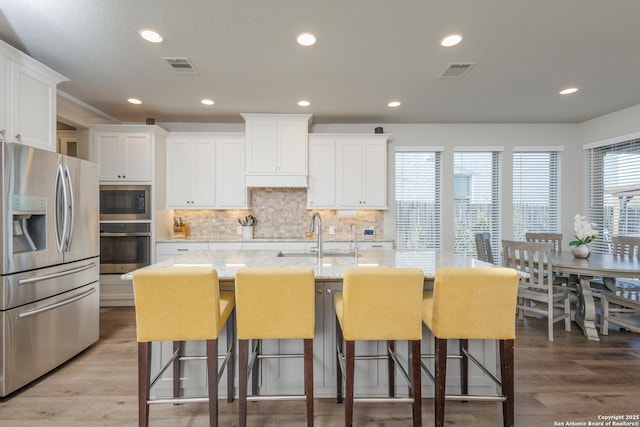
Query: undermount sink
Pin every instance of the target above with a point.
(326, 254)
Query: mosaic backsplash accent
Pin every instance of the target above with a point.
(281, 214)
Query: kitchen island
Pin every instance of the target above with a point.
(285, 376)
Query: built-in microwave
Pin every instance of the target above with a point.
(124, 202)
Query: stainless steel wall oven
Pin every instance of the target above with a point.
(124, 246)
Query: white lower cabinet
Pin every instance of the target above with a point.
(115, 292)
(164, 251)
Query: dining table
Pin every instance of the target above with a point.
(607, 266)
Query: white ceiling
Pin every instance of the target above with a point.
(369, 52)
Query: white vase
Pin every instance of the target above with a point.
(581, 251)
(247, 232)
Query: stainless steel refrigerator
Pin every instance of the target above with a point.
(49, 299)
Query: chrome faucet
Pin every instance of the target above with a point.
(313, 228)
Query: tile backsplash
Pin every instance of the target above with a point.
(281, 214)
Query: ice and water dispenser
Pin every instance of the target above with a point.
(29, 223)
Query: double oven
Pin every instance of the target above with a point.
(125, 228)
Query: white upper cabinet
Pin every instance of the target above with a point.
(205, 171)
(28, 113)
(347, 171)
(276, 150)
(230, 189)
(190, 176)
(123, 156)
(321, 193)
(361, 171)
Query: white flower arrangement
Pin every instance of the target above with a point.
(584, 231)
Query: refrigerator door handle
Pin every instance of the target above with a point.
(70, 209)
(60, 223)
(56, 305)
(55, 275)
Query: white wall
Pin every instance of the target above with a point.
(614, 125)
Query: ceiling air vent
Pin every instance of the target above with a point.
(457, 69)
(181, 65)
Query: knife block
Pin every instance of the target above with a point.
(180, 230)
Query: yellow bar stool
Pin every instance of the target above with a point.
(472, 303)
(381, 304)
(274, 303)
(182, 304)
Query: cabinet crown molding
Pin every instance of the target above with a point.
(269, 116)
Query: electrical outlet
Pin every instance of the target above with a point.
(239, 229)
(332, 230)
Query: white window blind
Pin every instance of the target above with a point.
(613, 195)
(477, 193)
(418, 205)
(536, 193)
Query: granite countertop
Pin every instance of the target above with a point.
(239, 239)
(330, 267)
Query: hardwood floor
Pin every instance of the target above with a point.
(571, 379)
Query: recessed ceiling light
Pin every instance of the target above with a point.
(304, 103)
(207, 102)
(150, 36)
(134, 101)
(394, 104)
(306, 39)
(568, 91)
(451, 40)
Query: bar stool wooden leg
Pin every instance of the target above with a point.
(231, 338)
(416, 380)
(464, 367)
(144, 378)
(308, 379)
(391, 368)
(255, 369)
(243, 360)
(349, 368)
(177, 347)
(507, 370)
(440, 377)
(212, 378)
(339, 352)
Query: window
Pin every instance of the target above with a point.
(536, 192)
(614, 192)
(477, 199)
(418, 205)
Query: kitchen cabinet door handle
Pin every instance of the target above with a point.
(18, 136)
(329, 291)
